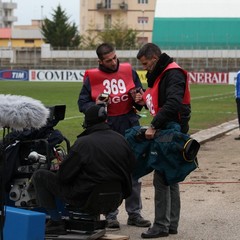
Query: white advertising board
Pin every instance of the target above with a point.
(56, 75)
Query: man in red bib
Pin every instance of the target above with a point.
(168, 100)
(115, 84)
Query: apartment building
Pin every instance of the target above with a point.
(94, 14)
(135, 14)
(6, 14)
(22, 35)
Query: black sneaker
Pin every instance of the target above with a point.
(113, 223)
(138, 222)
(55, 227)
(154, 233)
(172, 231)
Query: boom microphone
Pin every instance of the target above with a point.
(21, 112)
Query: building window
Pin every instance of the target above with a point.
(142, 40)
(108, 4)
(29, 40)
(107, 21)
(142, 20)
(142, 1)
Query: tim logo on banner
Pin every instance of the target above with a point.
(14, 75)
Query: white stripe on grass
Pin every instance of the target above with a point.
(74, 117)
(142, 114)
(219, 112)
(213, 96)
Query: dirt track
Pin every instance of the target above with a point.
(210, 195)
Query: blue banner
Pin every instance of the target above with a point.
(14, 75)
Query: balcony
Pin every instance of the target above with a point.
(99, 5)
(123, 6)
(9, 5)
(9, 19)
(112, 7)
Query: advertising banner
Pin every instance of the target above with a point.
(49, 75)
(18, 75)
(208, 77)
(56, 75)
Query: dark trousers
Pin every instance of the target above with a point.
(47, 189)
(167, 204)
(133, 204)
(238, 110)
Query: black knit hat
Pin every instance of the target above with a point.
(95, 114)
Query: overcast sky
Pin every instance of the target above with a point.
(31, 9)
(198, 8)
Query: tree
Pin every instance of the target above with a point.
(118, 34)
(90, 39)
(59, 32)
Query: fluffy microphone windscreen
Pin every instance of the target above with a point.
(21, 112)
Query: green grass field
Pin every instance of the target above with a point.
(211, 104)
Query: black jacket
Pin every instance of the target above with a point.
(171, 92)
(98, 155)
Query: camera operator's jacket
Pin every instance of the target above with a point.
(99, 155)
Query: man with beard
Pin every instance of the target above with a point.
(115, 85)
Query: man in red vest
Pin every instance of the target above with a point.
(115, 84)
(168, 100)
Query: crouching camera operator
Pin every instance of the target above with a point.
(98, 155)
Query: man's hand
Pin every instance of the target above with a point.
(102, 99)
(150, 132)
(138, 98)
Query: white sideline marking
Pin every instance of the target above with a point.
(74, 117)
(214, 96)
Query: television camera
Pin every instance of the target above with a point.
(30, 150)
